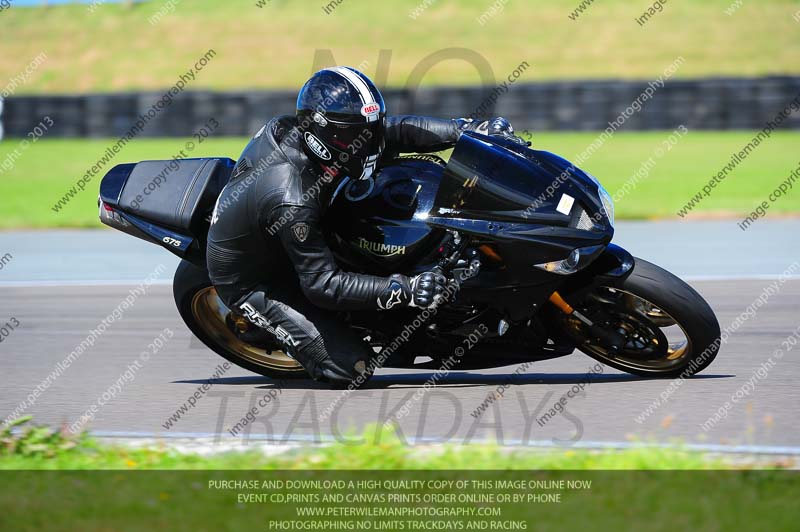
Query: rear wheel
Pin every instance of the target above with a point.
(213, 323)
(662, 327)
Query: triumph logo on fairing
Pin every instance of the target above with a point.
(316, 146)
(384, 250)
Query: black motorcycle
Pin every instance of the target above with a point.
(525, 235)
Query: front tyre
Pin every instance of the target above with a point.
(209, 319)
(663, 327)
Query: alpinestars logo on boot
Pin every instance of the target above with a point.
(300, 231)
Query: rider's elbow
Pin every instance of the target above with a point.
(318, 290)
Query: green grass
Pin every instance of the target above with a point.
(685, 169)
(189, 501)
(49, 481)
(24, 446)
(48, 168)
(115, 48)
(388, 456)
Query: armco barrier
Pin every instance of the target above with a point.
(714, 103)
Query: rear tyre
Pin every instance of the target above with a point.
(669, 329)
(208, 318)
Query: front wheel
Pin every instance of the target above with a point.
(212, 322)
(660, 326)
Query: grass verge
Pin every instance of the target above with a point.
(46, 170)
(43, 448)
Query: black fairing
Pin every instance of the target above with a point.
(496, 192)
(504, 191)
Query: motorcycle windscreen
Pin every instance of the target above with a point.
(487, 179)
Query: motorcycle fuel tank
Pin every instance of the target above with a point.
(381, 227)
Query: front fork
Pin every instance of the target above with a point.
(613, 265)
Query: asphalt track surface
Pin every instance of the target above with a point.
(56, 313)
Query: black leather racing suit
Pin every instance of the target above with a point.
(268, 257)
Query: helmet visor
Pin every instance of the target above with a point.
(359, 140)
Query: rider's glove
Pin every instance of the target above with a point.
(427, 289)
(500, 127)
(424, 290)
(495, 127)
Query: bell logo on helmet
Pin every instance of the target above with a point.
(370, 109)
(316, 146)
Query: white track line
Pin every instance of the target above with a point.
(766, 277)
(210, 438)
(166, 282)
(50, 284)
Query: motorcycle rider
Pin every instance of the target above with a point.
(267, 255)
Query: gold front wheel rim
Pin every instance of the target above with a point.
(676, 353)
(210, 313)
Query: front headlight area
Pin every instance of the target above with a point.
(577, 260)
(605, 199)
(608, 203)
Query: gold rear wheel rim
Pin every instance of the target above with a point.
(210, 313)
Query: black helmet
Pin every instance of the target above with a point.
(342, 116)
